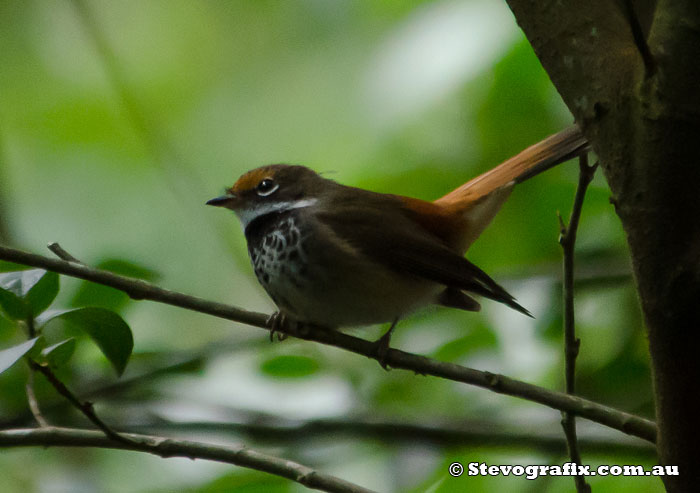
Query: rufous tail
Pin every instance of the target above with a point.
(478, 200)
(539, 157)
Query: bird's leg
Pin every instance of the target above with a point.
(381, 345)
(278, 323)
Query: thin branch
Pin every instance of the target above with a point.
(29, 386)
(639, 38)
(567, 239)
(167, 447)
(32, 400)
(277, 430)
(61, 253)
(138, 289)
(85, 408)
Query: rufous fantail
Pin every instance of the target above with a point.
(336, 256)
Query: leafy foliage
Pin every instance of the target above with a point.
(106, 328)
(58, 354)
(24, 297)
(27, 292)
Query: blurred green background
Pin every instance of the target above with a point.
(119, 119)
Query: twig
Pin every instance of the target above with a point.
(29, 386)
(84, 407)
(567, 239)
(166, 447)
(61, 253)
(138, 289)
(31, 399)
(639, 38)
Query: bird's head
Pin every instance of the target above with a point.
(272, 188)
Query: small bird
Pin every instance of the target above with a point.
(335, 256)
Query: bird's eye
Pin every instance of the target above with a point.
(266, 187)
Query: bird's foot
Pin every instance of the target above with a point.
(279, 324)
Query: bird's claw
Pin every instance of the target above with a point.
(278, 323)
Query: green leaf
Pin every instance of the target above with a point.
(93, 294)
(42, 294)
(35, 289)
(20, 282)
(289, 366)
(12, 305)
(60, 353)
(10, 356)
(109, 331)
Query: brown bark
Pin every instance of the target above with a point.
(642, 115)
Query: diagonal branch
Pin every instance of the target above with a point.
(138, 289)
(85, 408)
(167, 447)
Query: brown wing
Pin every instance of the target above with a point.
(384, 230)
(439, 221)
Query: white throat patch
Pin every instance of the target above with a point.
(246, 216)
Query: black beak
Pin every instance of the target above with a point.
(222, 201)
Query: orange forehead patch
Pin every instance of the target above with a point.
(250, 180)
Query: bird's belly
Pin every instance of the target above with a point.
(362, 298)
(335, 288)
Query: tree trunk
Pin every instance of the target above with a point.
(636, 94)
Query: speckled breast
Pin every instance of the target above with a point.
(276, 244)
